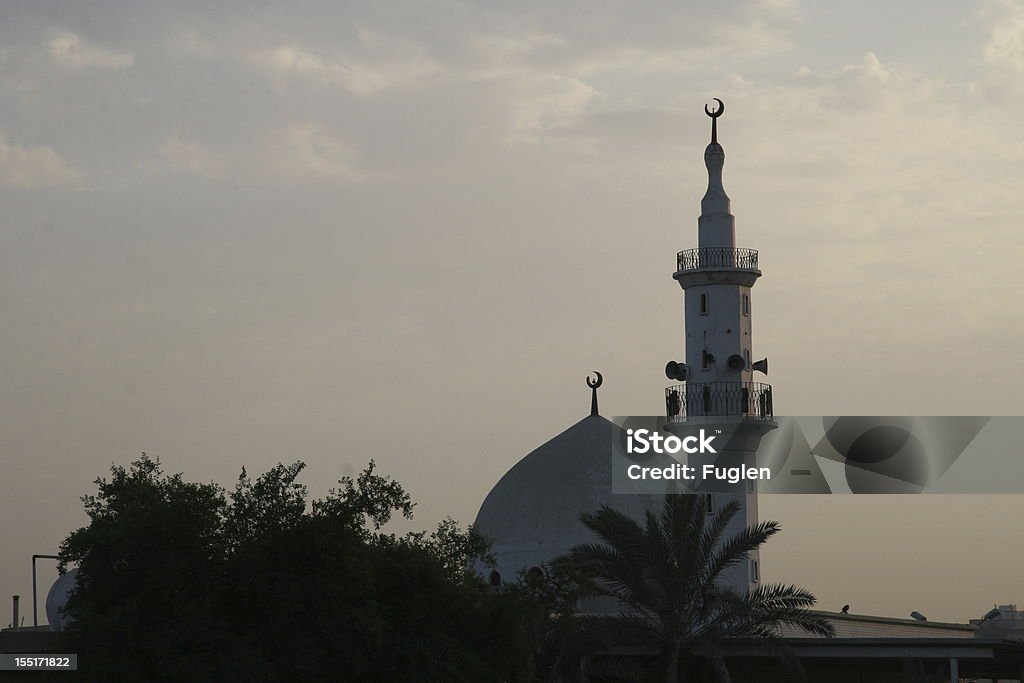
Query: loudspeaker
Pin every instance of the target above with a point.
(760, 366)
(676, 371)
(736, 362)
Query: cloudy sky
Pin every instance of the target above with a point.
(407, 231)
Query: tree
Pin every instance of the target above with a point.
(184, 581)
(149, 537)
(666, 575)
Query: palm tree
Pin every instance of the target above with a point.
(666, 576)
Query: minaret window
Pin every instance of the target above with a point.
(755, 572)
(705, 359)
(704, 304)
(746, 304)
(495, 579)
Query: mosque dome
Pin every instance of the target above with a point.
(532, 514)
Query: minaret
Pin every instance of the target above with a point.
(717, 387)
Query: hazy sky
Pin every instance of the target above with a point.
(330, 231)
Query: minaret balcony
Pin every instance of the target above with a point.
(719, 399)
(716, 258)
(716, 264)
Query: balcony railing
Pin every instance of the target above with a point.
(719, 399)
(716, 257)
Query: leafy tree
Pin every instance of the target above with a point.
(147, 568)
(345, 601)
(367, 498)
(184, 581)
(456, 550)
(666, 574)
(273, 502)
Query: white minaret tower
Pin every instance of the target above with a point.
(718, 388)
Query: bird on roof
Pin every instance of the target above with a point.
(845, 610)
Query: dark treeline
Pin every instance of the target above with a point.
(183, 581)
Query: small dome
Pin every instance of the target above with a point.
(57, 599)
(532, 514)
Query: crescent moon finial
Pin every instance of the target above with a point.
(594, 384)
(718, 112)
(714, 118)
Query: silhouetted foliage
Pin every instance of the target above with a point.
(667, 576)
(550, 601)
(183, 581)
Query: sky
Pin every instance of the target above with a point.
(240, 233)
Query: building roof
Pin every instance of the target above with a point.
(869, 626)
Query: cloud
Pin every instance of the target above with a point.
(29, 167)
(193, 158)
(547, 101)
(71, 51)
(1005, 45)
(869, 69)
(394, 64)
(309, 152)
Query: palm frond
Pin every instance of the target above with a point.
(737, 548)
(618, 530)
(667, 575)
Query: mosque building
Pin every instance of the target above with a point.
(532, 514)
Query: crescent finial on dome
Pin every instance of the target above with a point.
(594, 384)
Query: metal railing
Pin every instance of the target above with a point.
(714, 399)
(716, 257)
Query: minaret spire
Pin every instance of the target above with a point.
(716, 221)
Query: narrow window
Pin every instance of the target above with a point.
(755, 572)
(703, 304)
(746, 304)
(746, 357)
(495, 579)
(750, 485)
(705, 359)
(709, 503)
